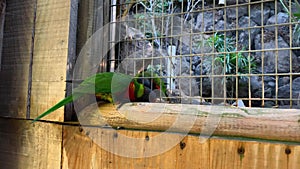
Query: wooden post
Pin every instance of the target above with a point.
(50, 55)
(17, 49)
(2, 19)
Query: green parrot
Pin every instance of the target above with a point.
(124, 86)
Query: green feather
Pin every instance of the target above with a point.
(139, 89)
(100, 83)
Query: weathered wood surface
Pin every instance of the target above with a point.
(50, 59)
(2, 19)
(15, 59)
(93, 37)
(270, 124)
(79, 151)
(85, 25)
(47, 145)
(25, 145)
(34, 59)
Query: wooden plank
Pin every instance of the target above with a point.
(71, 55)
(13, 92)
(46, 94)
(2, 19)
(24, 145)
(16, 57)
(235, 154)
(91, 46)
(85, 17)
(80, 151)
(270, 124)
(51, 51)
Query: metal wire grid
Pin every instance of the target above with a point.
(133, 8)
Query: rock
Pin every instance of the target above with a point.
(233, 2)
(187, 85)
(220, 26)
(255, 14)
(204, 68)
(244, 35)
(256, 84)
(204, 21)
(256, 92)
(205, 86)
(269, 79)
(283, 31)
(231, 13)
(243, 88)
(269, 92)
(271, 84)
(269, 104)
(196, 60)
(283, 61)
(271, 5)
(281, 18)
(183, 50)
(284, 92)
(182, 66)
(283, 81)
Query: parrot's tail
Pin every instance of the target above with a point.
(55, 107)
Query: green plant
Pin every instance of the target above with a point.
(295, 17)
(146, 21)
(157, 6)
(233, 61)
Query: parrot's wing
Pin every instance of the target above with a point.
(120, 82)
(103, 83)
(98, 83)
(86, 87)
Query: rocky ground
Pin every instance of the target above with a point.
(277, 64)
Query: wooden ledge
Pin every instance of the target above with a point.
(259, 123)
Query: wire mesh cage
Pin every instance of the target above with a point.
(230, 52)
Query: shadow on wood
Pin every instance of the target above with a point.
(25, 145)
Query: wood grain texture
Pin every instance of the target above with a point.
(71, 55)
(16, 52)
(24, 145)
(80, 151)
(50, 57)
(85, 22)
(42, 145)
(2, 19)
(270, 124)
